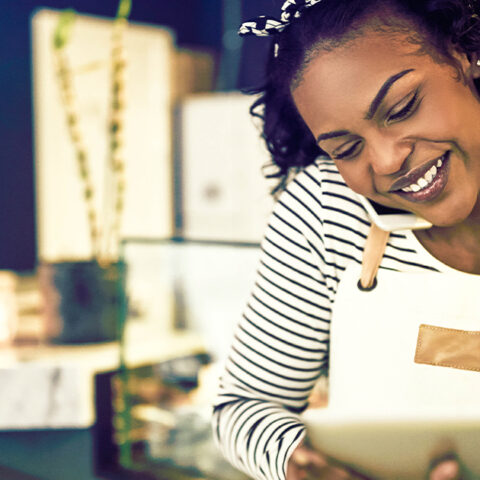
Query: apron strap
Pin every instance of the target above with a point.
(372, 257)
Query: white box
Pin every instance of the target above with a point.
(225, 195)
(61, 214)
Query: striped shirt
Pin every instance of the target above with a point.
(280, 346)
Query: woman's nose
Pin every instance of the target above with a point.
(387, 156)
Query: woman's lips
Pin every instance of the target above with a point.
(428, 190)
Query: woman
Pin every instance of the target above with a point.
(376, 97)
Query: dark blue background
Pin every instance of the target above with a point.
(196, 23)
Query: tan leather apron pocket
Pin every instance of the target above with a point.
(448, 347)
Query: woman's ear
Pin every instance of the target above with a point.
(475, 65)
(469, 65)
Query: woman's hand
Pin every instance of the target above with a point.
(446, 467)
(307, 464)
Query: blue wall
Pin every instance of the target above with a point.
(196, 22)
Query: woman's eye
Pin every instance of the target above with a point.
(351, 150)
(403, 109)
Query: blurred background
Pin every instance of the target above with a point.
(133, 201)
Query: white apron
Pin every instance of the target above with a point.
(404, 379)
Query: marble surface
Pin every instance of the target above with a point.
(39, 396)
(53, 386)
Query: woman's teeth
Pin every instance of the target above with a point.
(426, 180)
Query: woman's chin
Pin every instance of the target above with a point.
(452, 211)
(449, 219)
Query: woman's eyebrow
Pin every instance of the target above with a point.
(383, 92)
(336, 133)
(373, 106)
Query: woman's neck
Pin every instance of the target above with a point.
(457, 246)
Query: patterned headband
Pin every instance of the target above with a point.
(264, 26)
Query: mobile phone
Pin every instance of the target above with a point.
(391, 219)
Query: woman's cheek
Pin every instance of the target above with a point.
(357, 177)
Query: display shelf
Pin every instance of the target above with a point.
(162, 413)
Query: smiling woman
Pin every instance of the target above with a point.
(406, 117)
(371, 99)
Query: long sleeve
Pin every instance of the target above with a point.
(280, 346)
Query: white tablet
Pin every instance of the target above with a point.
(395, 448)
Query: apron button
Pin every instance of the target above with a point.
(369, 288)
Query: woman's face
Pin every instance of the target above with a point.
(403, 129)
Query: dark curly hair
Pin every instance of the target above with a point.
(440, 24)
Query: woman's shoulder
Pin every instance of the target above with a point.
(321, 188)
(323, 172)
(325, 169)
(322, 177)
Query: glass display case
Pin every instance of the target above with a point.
(161, 411)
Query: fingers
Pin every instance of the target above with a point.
(303, 463)
(304, 456)
(445, 466)
(310, 472)
(448, 469)
(307, 464)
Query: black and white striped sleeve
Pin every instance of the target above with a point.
(280, 346)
